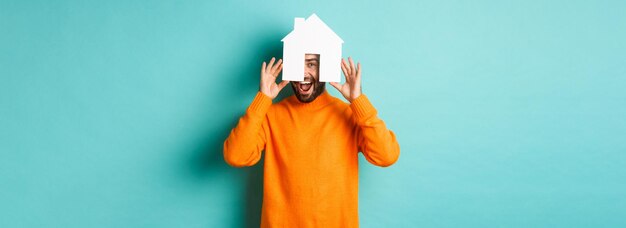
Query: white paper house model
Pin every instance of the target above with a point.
(312, 36)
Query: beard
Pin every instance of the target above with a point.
(316, 87)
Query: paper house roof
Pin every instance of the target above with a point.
(312, 36)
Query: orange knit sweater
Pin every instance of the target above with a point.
(311, 156)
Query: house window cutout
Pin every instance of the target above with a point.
(312, 60)
(312, 35)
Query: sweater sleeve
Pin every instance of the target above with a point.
(378, 144)
(246, 141)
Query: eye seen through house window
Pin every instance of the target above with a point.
(311, 62)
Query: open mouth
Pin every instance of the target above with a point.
(305, 87)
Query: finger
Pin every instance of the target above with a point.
(276, 69)
(336, 85)
(352, 70)
(280, 67)
(358, 74)
(344, 69)
(280, 61)
(345, 65)
(270, 65)
(263, 67)
(282, 85)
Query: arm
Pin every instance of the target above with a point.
(247, 140)
(378, 144)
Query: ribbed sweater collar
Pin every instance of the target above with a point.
(322, 100)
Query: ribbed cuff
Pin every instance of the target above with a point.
(362, 107)
(260, 104)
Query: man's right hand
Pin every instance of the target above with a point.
(269, 72)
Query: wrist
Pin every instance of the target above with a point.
(267, 94)
(362, 108)
(354, 97)
(260, 104)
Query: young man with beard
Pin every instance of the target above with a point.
(311, 142)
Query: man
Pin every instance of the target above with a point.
(311, 142)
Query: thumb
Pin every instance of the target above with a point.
(282, 85)
(336, 85)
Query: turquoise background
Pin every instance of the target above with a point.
(508, 113)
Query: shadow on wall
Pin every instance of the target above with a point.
(207, 159)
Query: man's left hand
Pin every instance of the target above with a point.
(351, 89)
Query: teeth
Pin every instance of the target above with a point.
(305, 82)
